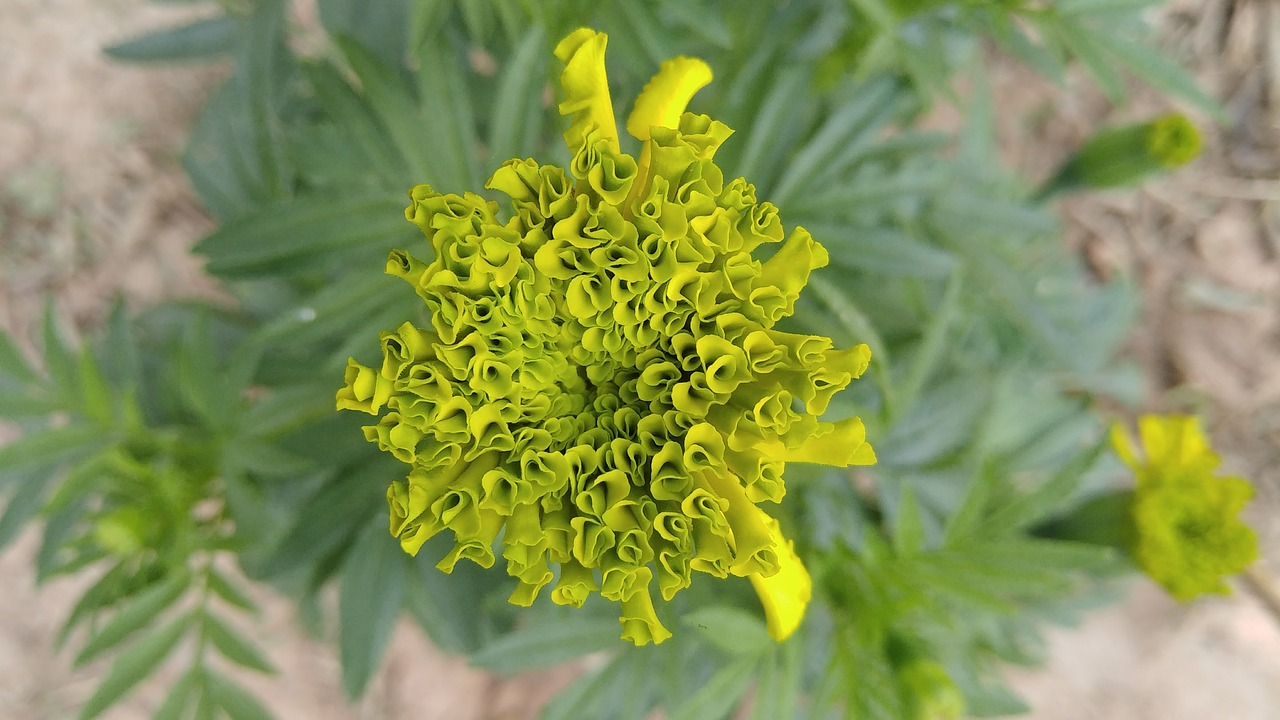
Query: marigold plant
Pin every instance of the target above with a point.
(602, 385)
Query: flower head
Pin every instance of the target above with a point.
(1188, 533)
(602, 385)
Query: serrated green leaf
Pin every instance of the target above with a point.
(23, 503)
(447, 118)
(236, 647)
(369, 601)
(325, 520)
(48, 448)
(722, 693)
(197, 40)
(389, 98)
(13, 363)
(579, 697)
(908, 526)
(1090, 52)
(134, 665)
(547, 642)
(1029, 509)
(179, 697)
(881, 251)
(774, 122)
(234, 700)
(517, 112)
(228, 591)
(290, 235)
(1158, 71)
(732, 629)
(777, 695)
(138, 613)
(58, 361)
(96, 396)
(850, 124)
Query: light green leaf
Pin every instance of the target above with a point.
(233, 699)
(722, 693)
(13, 363)
(547, 642)
(517, 112)
(908, 526)
(48, 448)
(236, 647)
(134, 665)
(175, 703)
(140, 612)
(369, 602)
(881, 251)
(197, 40)
(228, 591)
(395, 107)
(732, 629)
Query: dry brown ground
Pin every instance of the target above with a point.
(93, 203)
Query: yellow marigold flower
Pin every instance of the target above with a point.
(602, 386)
(1187, 530)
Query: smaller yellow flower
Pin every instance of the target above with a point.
(1188, 533)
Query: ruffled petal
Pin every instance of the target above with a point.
(666, 95)
(586, 88)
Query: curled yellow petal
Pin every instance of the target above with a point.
(586, 87)
(667, 94)
(786, 593)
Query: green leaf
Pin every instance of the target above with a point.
(197, 40)
(1029, 509)
(175, 703)
(58, 362)
(547, 642)
(140, 612)
(448, 119)
(13, 363)
(233, 699)
(573, 702)
(379, 26)
(774, 121)
(1083, 7)
(369, 602)
(908, 526)
(48, 448)
(288, 236)
(732, 629)
(24, 502)
(228, 591)
(134, 665)
(517, 111)
(881, 251)
(722, 693)
(326, 519)
(778, 690)
(389, 98)
(236, 647)
(1158, 71)
(851, 124)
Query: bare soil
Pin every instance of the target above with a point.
(93, 204)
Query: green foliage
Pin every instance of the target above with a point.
(189, 446)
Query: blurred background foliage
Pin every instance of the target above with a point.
(193, 447)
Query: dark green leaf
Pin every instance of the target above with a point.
(326, 520)
(289, 235)
(369, 603)
(196, 40)
(547, 642)
(227, 590)
(140, 612)
(134, 665)
(236, 647)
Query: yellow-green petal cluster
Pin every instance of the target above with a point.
(602, 394)
(1188, 534)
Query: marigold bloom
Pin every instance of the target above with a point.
(602, 385)
(1187, 530)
